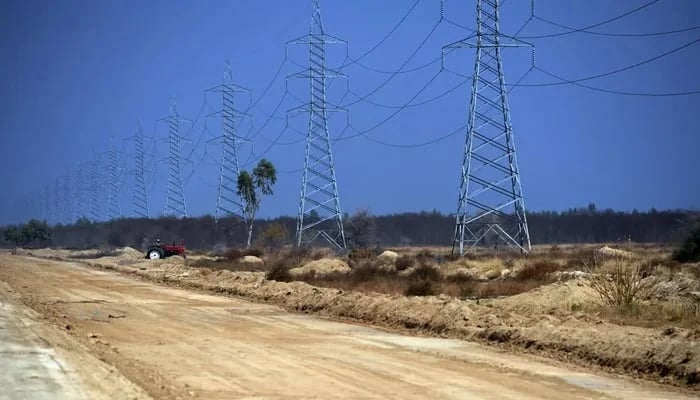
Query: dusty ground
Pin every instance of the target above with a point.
(175, 343)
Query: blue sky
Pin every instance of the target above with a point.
(77, 73)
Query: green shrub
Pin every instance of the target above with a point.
(690, 249)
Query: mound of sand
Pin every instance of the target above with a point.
(388, 257)
(323, 266)
(252, 260)
(130, 252)
(609, 251)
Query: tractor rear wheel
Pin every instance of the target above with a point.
(155, 254)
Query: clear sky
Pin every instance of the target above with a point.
(77, 73)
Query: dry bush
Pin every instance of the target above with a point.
(404, 262)
(538, 270)
(425, 272)
(459, 278)
(649, 268)
(421, 287)
(99, 254)
(682, 312)
(367, 271)
(363, 253)
(227, 265)
(236, 254)
(694, 270)
(279, 271)
(581, 259)
(506, 288)
(424, 256)
(622, 285)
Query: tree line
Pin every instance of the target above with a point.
(362, 229)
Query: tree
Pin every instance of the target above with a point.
(361, 229)
(33, 231)
(274, 235)
(251, 188)
(690, 249)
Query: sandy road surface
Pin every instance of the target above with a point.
(177, 343)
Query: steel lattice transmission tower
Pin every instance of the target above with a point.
(175, 194)
(114, 209)
(140, 206)
(67, 208)
(490, 206)
(80, 205)
(227, 200)
(319, 207)
(95, 179)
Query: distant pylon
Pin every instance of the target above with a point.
(228, 202)
(57, 202)
(175, 204)
(80, 204)
(66, 193)
(95, 178)
(490, 205)
(114, 209)
(46, 204)
(319, 206)
(140, 207)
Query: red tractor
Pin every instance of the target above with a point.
(158, 251)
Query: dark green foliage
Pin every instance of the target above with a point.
(251, 188)
(360, 229)
(34, 231)
(416, 229)
(690, 249)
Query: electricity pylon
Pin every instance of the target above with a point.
(319, 206)
(175, 194)
(228, 203)
(95, 189)
(490, 207)
(114, 209)
(140, 206)
(80, 204)
(66, 192)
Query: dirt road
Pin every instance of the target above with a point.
(175, 343)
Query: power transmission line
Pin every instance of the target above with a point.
(619, 92)
(669, 32)
(585, 29)
(626, 68)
